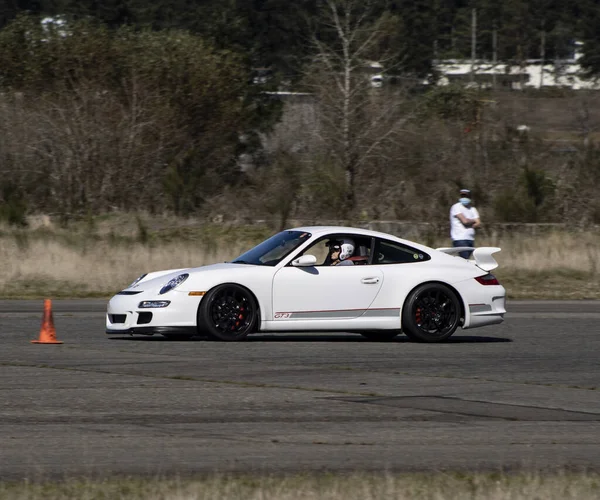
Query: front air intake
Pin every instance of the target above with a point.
(144, 318)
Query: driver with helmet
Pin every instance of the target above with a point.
(339, 252)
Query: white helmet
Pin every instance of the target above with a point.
(346, 248)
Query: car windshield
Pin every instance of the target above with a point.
(270, 252)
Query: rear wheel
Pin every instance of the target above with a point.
(431, 313)
(381, 336)
(227, 312)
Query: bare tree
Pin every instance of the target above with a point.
(356, 117)
(84, 149)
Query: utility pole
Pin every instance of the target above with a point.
(542, 53)
(473, 42)
(494, 55)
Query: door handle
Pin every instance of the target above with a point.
(369, 281)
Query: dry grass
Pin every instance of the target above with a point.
(579, 252)
(355, 486)
(557, 266)
(98, 258)
(94, 269)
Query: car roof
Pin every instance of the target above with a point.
(324, 230)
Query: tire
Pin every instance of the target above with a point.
(227, 312)
(431, 313)
(381, 336)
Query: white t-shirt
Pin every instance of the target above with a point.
(457, 230)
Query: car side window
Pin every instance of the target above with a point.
(360, 256)
(390, 252)
(320, 250)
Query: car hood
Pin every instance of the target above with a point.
(154, 281)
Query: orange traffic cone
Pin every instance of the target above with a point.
(47, 332)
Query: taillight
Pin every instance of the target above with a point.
(488, 279)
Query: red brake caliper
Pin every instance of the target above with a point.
(418, 315)
(240, 317)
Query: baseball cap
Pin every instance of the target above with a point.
(465, 191)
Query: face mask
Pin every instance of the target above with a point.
(465, 201)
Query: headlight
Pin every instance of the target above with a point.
(174, 283)
(138, 280)
(153, 304)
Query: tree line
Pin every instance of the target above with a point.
(127, 105)
(272, 33)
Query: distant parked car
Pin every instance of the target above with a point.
(287, 283)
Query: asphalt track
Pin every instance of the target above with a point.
(524, 394)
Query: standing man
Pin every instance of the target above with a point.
(464, 219)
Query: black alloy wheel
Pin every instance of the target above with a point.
(431, 313)
(227, 312)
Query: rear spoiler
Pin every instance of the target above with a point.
(482, 255)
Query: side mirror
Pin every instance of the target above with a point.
(304, 261)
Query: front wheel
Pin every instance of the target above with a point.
(431, 313)
(227, 312)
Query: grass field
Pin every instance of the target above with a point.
(352, 486)
(98, 257)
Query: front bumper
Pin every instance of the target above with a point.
(123, 316)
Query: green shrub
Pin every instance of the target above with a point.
(452, 102)
(13, 206)
(529, 201)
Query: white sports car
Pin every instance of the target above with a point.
(319, 278)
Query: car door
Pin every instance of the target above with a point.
(324, 292)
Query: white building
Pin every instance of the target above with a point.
(565, 73)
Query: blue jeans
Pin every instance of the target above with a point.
(464, 243)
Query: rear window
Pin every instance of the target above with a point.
(389, 252)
